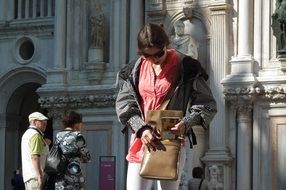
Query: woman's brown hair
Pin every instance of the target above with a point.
(71, 118)
(152, 35)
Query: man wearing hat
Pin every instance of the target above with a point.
(34, 152)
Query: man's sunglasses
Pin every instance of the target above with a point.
(159, 54)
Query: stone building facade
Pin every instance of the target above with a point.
(65, 54)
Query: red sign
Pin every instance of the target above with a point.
(107, 173)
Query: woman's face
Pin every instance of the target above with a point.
(155, 55)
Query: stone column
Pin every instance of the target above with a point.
(244, 141)
(7, 10)
(136, 22)
(220, 43)
(244, 37)
(11, 10)
(2, 10)
(241, 100)
(242, 64)
(2, 149)
(219, 54)
(60, 34)
(56, 74)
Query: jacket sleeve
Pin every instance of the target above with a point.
(127, 108)
(203, 106)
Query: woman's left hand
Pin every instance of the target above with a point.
(179, 129)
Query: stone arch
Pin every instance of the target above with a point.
(169, 23)
(18, 98)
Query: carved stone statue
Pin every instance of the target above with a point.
(182, 42)
(215, 177)
(95, 67)
(97, 27)
(279, 26)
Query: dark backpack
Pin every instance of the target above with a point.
(56, 162)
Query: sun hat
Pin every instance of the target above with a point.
(37, 116)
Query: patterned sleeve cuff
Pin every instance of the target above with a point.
(135, 123)
(192, 120)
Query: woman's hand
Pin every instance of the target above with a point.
(148, 138)
(179, 129)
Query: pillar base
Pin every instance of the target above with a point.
(242, 65)
(218, 168)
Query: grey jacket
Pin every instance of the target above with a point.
(191, 95)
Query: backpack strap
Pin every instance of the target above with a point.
(201, 183)
(38, 130)
(192, 141)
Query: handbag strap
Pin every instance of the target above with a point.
(169, 95)
(167, 99)
(58, 146)
(201, 183)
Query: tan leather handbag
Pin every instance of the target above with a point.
(162, 163)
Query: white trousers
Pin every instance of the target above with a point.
(136, 182)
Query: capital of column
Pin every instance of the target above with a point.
(242, 98)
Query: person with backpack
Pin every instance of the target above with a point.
(74, 149)
(198, 182)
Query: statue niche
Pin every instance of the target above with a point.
(97, 28)
(95, 66)
(182, 42)
(97, 34)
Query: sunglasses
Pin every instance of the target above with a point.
(159, 54)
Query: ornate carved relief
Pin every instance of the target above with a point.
(250, 94)
(80, 101)
(216, 177)
(242, 98)
(277, 93)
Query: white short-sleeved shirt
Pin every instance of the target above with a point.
(32, 143)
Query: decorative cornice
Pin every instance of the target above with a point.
(249, 95)
(77, 101)
(277, 93)
(244, 93)
(37, 26)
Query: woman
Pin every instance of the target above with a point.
(160, 72)
(74, 148)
